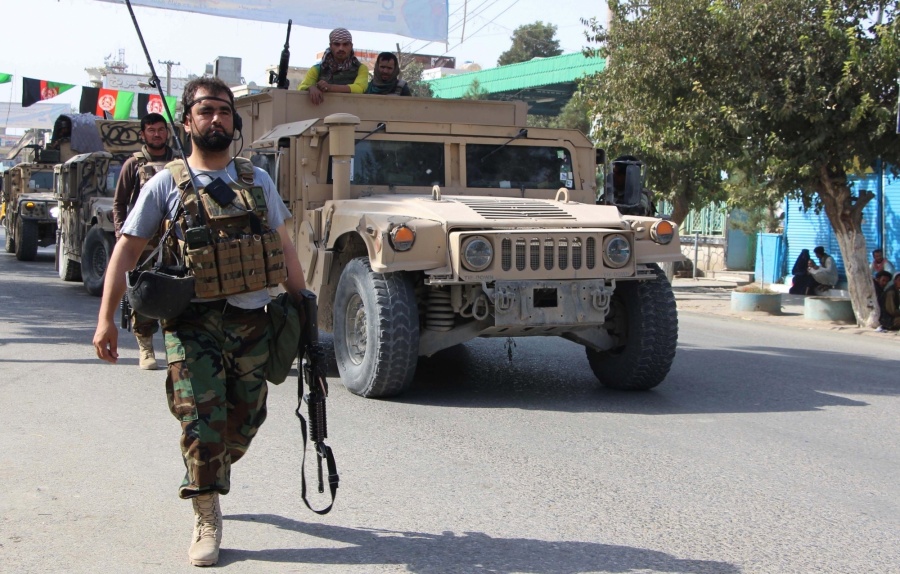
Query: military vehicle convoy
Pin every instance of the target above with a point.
(423, 223)
(27, 203)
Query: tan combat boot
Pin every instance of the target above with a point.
(148, 357)
(204, 549)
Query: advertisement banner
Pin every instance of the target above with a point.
(419, 19)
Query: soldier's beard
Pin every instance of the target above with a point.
(156, 147)
(211, 140)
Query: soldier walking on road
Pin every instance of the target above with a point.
(136, 171)
(218, 346)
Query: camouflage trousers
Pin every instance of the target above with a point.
(216, 388)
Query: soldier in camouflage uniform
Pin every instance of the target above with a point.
(217, 349)
(136, 171)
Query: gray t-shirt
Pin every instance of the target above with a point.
(159, 200)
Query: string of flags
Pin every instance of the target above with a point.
(102, 102)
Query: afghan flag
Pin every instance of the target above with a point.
(114, 104)
(153, 104)
(37, 90)
(5, 78)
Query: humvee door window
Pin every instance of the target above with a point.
(518, 167)
(379, 162)
(112, 177)
(41, 180)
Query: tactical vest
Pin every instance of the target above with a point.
(235, 251)
(147, 167)
(342, 78)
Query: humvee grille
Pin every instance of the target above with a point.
(555, 252)
(502, 208)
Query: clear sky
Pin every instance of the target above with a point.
(57, 39)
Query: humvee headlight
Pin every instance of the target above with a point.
(662, 232)
(616, 251)
(477, 253)
(29, 205)
(54, 212)
(402, 238)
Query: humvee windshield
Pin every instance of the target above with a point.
(380, 162)
(112, 177)
(518, 167)
(41, 180)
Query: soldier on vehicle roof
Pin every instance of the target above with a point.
(339, 70)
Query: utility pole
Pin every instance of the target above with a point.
(169, 64)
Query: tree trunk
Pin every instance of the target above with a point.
(845, 214)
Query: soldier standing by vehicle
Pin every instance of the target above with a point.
(136, 171)
(218, 346)
(339, 70)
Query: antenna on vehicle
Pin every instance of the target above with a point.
(155, 83)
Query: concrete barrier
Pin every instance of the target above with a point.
(828, 309)
(742, 302)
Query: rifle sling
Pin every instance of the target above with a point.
(322, 451)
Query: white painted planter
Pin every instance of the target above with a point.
(742, 302)
(828, 309)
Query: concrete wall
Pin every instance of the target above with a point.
(709, 252)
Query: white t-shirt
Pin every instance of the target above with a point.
(159, 200)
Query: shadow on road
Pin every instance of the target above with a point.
(544, 375)
(467, 553)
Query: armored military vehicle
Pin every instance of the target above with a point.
(84, 186)
(28, 201)
(424, 223)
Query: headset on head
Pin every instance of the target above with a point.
(237, 120)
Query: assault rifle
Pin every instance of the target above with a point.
(312, 371)
(281, 80)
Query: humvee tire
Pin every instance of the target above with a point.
(26, 240)
(10, 243)
(94, 259)
(376, 330)
(646, 322)
(68, 270)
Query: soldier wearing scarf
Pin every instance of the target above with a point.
(386, 80)
(339, 70)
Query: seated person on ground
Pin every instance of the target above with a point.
(879, 263)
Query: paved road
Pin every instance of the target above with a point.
(768, 450)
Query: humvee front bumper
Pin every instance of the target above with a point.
(539, 303)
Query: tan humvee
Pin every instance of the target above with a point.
(27, 205)
(423, 223)
(84, 186)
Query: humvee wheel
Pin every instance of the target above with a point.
(10, 243)
(26, 240)
(98, 247)
(68, 270)
(376, 330)
(646, 323)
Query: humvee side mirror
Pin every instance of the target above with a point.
(601, 156)
(633, 183)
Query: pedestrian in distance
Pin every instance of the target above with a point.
(216, 349)
(339, 71)
(137, 171)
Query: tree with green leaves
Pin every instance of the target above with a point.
(475, 91)
(575, 115)
(801, 94)
(535, 40)
(411, 71)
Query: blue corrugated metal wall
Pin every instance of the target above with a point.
(805, 230)
(892, 219)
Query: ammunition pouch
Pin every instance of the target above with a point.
(162, 292)
(237, 265)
